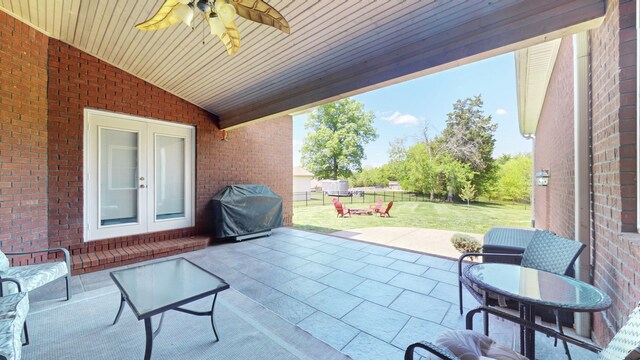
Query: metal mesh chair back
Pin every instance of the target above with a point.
(626, 343)
(551, 253)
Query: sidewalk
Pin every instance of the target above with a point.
(431, 241)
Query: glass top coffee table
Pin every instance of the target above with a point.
(534, 288)
(166, 285)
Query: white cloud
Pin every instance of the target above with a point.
(501, 111)
(398, 118)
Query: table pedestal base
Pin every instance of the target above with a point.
(530, 327)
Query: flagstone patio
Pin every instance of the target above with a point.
(368, 301)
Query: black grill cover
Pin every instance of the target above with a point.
(245, 209)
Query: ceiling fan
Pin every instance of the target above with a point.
(219, 14)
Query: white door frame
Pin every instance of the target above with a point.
(148, 130)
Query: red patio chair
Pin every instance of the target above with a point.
(376, 206)
(342, 211)
(385, 212)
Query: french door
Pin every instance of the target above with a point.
(138, 175)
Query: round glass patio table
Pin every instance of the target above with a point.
(536, 288)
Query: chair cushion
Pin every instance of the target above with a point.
(4, 262)
(33, 276)
(13, 313)
(626, 343)
(471, 345)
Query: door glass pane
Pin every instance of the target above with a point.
(118, 177)
(170, 167)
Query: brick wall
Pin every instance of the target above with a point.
(258, 153)
(45, 87)
(554, 204)
(616, 244)
(617, 269)
(23, 136)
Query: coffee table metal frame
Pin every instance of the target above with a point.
(150, 334)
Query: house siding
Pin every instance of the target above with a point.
(616, 269)
(42, 186)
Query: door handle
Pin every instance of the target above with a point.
(142, 186)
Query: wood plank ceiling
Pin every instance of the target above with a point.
(336, 48)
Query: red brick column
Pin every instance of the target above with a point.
(23, 136)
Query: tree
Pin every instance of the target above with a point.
(468, 192)
(421, 172)
(468, 138)
(335, 146)
(456, 174)
(515, 178)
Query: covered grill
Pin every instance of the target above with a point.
(246, 211)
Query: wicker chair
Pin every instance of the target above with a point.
(624, 345)
(546, 251)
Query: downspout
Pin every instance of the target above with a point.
(533, 179)
(581, 166)
(638, 112)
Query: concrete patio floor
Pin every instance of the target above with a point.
(431, 241)
(366, 300)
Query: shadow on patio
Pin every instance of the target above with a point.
(367, 301)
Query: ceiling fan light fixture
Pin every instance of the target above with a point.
(217, 27)
(219, 14)
(226, 12)
(203, 5)
(184, 13)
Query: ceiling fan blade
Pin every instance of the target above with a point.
(231, 38)
(261, 12)
(163, 18)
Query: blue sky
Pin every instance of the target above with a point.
(402, 109)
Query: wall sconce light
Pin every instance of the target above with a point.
(542, 178)
(223, 135)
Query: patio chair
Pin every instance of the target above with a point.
(385, 212)
(546, 251)
(454, 344)
(376, 207)
(34, 276)
(31, 277)
(13, 313)
(342, 211)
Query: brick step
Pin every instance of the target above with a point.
(104, 259)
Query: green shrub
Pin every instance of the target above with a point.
(465, 243)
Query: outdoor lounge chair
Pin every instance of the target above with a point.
(385, 212)
(31, 277)
(376, 207)
(34, 276)
(13, 313)
(342, 211)
(546, 251)
(454, 344)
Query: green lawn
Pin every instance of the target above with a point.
(477, 218)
